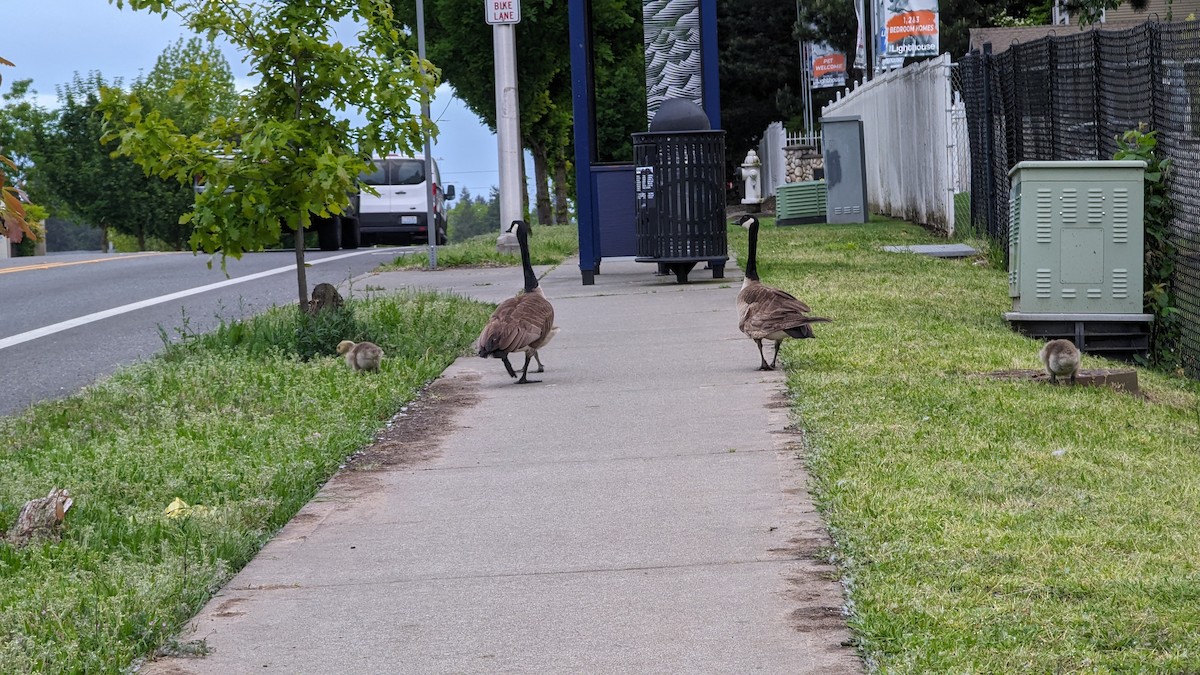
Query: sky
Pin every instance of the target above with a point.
(50, 40)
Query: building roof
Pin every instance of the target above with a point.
(1123, 16)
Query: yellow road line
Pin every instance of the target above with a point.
(47, 266)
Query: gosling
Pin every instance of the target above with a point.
(1060, 359)
(361, 355)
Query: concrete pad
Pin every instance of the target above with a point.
(642, 509)
(936, 250)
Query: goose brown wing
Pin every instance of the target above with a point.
(516, 324)
(770, 310)
(772, 296)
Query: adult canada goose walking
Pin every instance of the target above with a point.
(523, 323)
(766, 313)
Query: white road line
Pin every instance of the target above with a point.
(134, 306)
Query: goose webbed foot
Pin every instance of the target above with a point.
(541, 368)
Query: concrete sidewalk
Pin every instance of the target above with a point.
(642, 510)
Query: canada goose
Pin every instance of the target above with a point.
(766, 313)
(1060, 358)
(361, 355)
(522, 323)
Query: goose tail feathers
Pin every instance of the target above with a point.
(805, 330)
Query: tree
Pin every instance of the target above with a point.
(80, 172)
(13, 217)
(620, 75)
(759, 65)
(1090, 11)
(459, 40)
(469, 216)
(285, 155)
(197, 66)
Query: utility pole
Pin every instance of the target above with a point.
(430, 220)
(503, 15)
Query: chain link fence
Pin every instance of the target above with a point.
(1070, 98)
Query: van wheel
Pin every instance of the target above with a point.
(329, 233)
(351, 235)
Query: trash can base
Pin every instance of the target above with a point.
(681, 267)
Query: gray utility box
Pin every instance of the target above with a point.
(1075, 256)
(845, 160)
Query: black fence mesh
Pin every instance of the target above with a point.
(1070, 98)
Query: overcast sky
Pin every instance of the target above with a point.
(50, 40)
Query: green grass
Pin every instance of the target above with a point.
(249, 432)
(984, 526)
(549, 245)
(981, 526)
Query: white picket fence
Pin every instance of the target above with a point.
(918, 153)
(770, 153)
(915, 142)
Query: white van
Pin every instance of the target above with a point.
(399, 213)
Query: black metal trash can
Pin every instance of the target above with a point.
(679, 183)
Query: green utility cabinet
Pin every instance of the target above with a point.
(800, 203)
(1076, 252)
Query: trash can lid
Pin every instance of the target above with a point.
(679, 114)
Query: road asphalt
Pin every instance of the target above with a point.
(642, 509)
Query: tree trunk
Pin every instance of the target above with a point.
(301, 276)
(104, 239)
(562, 214)
(541, 179)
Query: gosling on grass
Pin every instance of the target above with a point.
(361, 355)
(1060, 358)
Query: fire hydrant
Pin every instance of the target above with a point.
(751, 169)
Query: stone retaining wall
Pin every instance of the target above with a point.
(799, 162)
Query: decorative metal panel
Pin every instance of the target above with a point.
(671, 36)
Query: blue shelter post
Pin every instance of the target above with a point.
(605, 197)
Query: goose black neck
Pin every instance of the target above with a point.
(752, 255)
(531, 281)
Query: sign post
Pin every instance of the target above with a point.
(503, 15)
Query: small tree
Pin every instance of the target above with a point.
(284, 155)
(108, 191)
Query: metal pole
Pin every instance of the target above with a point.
(869, 44)
(431, 227)
(508, 130)
(985, 58)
